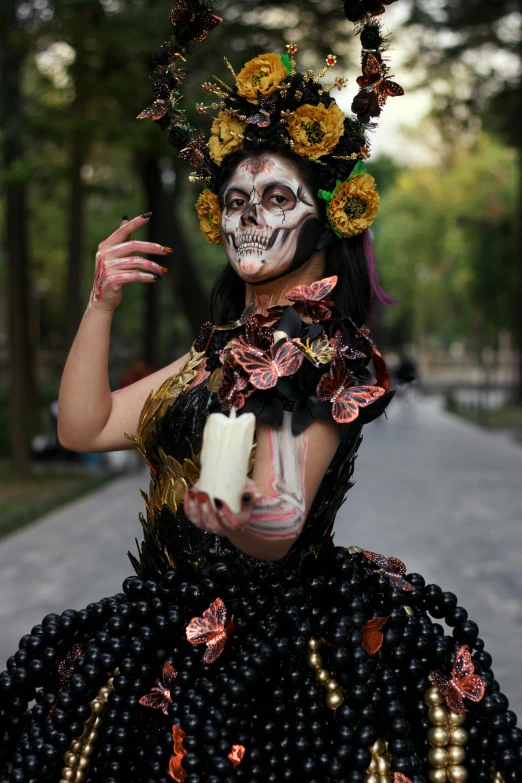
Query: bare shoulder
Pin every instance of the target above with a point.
(126, 407)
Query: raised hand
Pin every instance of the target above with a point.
(218, 518)
(117, 264)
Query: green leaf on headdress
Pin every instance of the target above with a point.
(285, 59)
(359, 168)
(325, 194)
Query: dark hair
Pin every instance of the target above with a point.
(357, 292)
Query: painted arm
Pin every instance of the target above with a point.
(287, 475)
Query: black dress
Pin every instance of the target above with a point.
(329, 659)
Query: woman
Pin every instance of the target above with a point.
(249, 647)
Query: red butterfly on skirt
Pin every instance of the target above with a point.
(373, 77)
(462, 683)
(234, 388)
(175, 767)
(202, 23)
(372, 635)
(211, 629)
(392, 567)
(194, 153)
(346, 400)
(314, 297)
(265, 369)
(398, 777)
(159, 697)
(236, 754)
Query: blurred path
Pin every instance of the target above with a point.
(437, 492)
(446, 497)
(68, 558)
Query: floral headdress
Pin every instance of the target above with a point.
(271, 103)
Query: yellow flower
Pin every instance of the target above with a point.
(354, 205)
(226, 136)
(209, 213)
(315, 130)
(263, 74)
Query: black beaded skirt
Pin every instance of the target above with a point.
(318, 667)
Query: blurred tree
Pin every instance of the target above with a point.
(16, 174)
(472, 53)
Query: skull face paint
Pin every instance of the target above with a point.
(270, 221)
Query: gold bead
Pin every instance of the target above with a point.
(409, 611)
(433, 697)
(90, 720)
(104, 694)
(498, 777)
(387, 778)
(83, 763)
(314, 643)
(97, 722)
(437, 775)
(98, 707)
(93, 736)
(457, 718)
(334, 699)
(85, 733)
(378, 747)
(456, 754)
(438, 715)
(76, 746)
(372, 778)
(383, 765)
(438, 736)
(88, 749)
(80, 776)
(457, 773)
(353, 550)
(71, 759)
(438, 757)
(68, 774)
(314, 660)
(331, 685)
(458, 736)
(372, 769)
(323, 675)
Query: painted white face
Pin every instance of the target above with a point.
(267, 210)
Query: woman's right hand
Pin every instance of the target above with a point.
(116, 264)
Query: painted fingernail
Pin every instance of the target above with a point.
(247, 497)
(146, 215)
(191, 492)
(218, 503)
(125, 217)
(164, 269)
(202, 497)
(157, 278)
(166, 249)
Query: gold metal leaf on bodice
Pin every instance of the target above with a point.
(173, 479)
(318, 351)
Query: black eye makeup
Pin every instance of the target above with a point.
(277, 197)
(235, 200)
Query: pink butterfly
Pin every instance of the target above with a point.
(159, 698)
(462, 682)
(211, 629)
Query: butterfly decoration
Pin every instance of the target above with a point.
(66, 666)
(342, 351)
(241, 321)
(399, 777)
(234, 388)
(462, 682)
(176, 770)
(202, 22)
(346, 399)
(204, 337)
(372, 634)
(154, 112)
(211, 629)
(373, 77)
(257, 335)
(318, 351)
(314, 297)
(194, 153)
(264, 368)
(263, 117)
(236, 754)
(159, 697)
(392, 567)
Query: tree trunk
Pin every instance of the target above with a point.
(22, 385)
(165, 227)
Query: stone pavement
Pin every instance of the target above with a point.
(437, 492)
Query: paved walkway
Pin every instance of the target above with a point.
(439, 493)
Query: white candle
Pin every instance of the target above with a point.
(225, 454)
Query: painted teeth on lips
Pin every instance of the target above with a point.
(252, 240)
